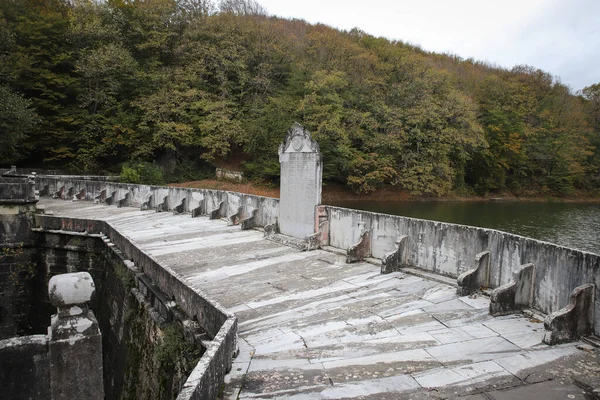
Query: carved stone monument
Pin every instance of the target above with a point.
(301, 176)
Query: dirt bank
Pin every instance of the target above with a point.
(336, 192)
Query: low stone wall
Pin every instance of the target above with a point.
(207, 377)
(162, 198)
(450, 249)
(25, 368)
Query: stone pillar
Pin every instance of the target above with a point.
(301, 176)
(75, 340)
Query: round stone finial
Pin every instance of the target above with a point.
(71, 289)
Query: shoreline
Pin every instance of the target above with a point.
(336, 192)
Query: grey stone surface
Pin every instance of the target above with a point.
(313, 327)
(300, 189)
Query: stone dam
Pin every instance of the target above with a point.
(204, 294)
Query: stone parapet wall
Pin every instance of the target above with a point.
(162, 198)
(450, 250)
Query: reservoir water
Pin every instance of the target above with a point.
(574, 225)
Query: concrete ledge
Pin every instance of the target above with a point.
(396, 259)
(476, 278)
(360, 250)
(516, 294)
(573, 321)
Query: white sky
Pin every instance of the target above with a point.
(561, 37)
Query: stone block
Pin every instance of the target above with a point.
(516, 294)
(574, 320)
(476, 278)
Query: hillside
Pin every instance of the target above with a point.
(188, 85)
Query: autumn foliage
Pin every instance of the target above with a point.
(188, 84)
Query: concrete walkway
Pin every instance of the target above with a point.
(313, 327)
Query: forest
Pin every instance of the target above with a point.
(167, 90)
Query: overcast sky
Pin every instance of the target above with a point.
(561, 37)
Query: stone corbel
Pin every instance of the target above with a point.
(271, 229)
(124, 202)
(200, 210)
(147, 204)
(218, 212)
(250, 221)
(101, 198)
(164, 205)
(111, 200)
(476, 278)
(360, 250)
(45, 190)
(396, 259)
(179, 209)
(81, 195)
(516, 294)
(59, 193)
(235, 219)
(573, 321)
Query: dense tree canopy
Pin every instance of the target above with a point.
(189, 84)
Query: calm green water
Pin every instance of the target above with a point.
(574, 225)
